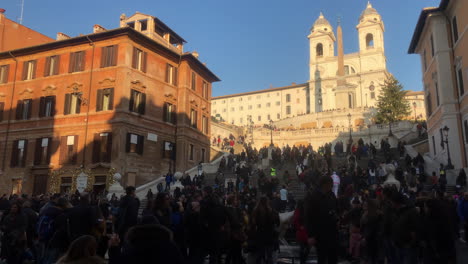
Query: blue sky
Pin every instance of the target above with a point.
(249, 44)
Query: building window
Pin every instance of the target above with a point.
(109, 56)
(424, 60)
(288, 110)
(139, 59)
(205, 90)
(241, 108)
(278, 103)
(169, 150)
(137, 102)
(259, 118)
(259, 96)
(288, 98)
(2, 107)
(102, 147)
(190, 152)
(105, 99)
(268, 117)
(52, 65)
(278, 116)
(461, 87)
(432, 46)
(29, 70)
(205, 125)
(47, 106)
(436, 85)
(268, 104)
(135, 143)
(23, 109)
(68, 149)
(259, 105)
(77, 61)
(319, 50)
(194, 81)
(169, 113)
(240, 99)
(224, 110)
(171, 74)
(369, 41)
(349, 70)
(434, 145)
(298, 100)
(232, 109)
(19, 153)
(72, 104)
(42, 151)
(193, 118)
(465, 124)
(429, 104)
(250, 107)
(143, 24)
(203, 154)
(241, 120)
(454, 29)
(372, 95)
(350, 101)
(4, 69)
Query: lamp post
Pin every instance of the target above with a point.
(271, 132)
(449, 160)
(414, 107)
(251, 123)
(349, 122)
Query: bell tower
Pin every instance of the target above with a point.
(371, 30)
(321, 40)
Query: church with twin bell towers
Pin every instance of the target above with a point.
(339, 84)
(346, 80)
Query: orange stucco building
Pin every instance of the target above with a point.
(440, 38)
(23, 36)
(127, 100)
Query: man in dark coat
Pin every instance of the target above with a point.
(128, 211)
(321, 221)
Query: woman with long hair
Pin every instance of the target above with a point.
(263, 233)
(82, 250)
(14, 235)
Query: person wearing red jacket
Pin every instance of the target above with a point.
(301, 232)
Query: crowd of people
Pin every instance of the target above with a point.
(347, 212)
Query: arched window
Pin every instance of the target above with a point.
(370, 41)
(319, 50)
(349, 70)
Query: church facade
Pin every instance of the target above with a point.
(350, 83)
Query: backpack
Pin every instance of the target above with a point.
(45, 227)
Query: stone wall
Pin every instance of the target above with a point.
(318, 137)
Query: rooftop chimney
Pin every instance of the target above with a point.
(195, 54)
(98, 28)
(62, 36)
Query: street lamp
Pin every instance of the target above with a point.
(414, 106)
(449, 160)
(271, 132)
(349, 121)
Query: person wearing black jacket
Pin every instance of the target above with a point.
(321, 221)
(214, 222)
(128, 211)
(145, 244)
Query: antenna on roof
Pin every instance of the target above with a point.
(21, 13)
